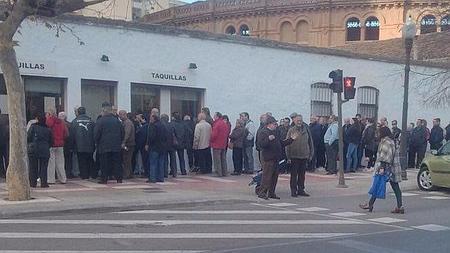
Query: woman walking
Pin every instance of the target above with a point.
(237, 138)
(39, 139)
(388, 164)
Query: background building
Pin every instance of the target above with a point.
(323, 23)
(182, 70)
(128, 9)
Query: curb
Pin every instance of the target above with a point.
(116, 208)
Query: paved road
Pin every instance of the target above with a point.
(317, 224)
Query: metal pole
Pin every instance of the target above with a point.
(341, 144)
(403, 137)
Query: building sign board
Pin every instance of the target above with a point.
(166, 77)
(35, 67)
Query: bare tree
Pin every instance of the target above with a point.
(434, 88)
(14, 12)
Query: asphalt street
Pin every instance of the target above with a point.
(315, 224)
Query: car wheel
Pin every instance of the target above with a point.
(424, 179)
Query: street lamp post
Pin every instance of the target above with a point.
(409, 32)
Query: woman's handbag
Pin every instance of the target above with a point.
(378, 189)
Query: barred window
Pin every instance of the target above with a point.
(445, 23)
(321, 99)
(372, 29)
(353, 27)
(244, 30)
(367, 98)
(230, 30)
(428, 24)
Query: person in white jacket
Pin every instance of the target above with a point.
(201, 145)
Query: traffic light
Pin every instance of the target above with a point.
(336, 85)
(349, 88)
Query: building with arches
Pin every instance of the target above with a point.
(324, 23)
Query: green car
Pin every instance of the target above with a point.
(435, 170)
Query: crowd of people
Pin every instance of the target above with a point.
(120, 145)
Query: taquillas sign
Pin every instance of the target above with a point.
(164, 76)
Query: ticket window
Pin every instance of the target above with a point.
(186, 101)
(96, 92)
(42, 94)
(144, 97)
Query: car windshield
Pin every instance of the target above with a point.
(445, 150)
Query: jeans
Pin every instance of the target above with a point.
(157, 162)
(4, 159)
(249, 162)
(56, 164)
(352, 157)
(190, 154)
(298, 171)
(416, 152)
(38, 169)
(68, 162)
(238, 155)
(180, 153)
(220, 162)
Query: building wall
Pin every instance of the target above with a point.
(236, 77)
(326, 19)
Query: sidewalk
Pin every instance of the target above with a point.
(81, 196)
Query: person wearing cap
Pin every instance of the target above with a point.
(299, 153)
(108, 135)
(82, 132)
(59, 133)
(270, 145)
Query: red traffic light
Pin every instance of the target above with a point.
(349, 88)
(348, 82)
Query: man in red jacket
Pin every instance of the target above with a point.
(59, 133)
(219, 142)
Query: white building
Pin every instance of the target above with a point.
(182, 71)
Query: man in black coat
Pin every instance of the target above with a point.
(418, 144)
(354, 139)
(437, 135)
(141, 139)
(316, 132)
(189, 124)
(82, 135)
(270, 145)
(108, 135)
(181, 140)
(156, 145)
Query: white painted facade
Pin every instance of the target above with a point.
(235, 76)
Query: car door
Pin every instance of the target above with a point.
(440, 167)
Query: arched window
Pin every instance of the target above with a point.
(230, 30)
(372, 29)
(244, 30)
(321, 99)
(367, 98)
(353, 26)
(428, 24)
(287, 32)
(445, 23)
(302, 32)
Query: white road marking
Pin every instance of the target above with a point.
(432, 227)
(98, 251)
(185, 222)
(347, 214)
(63, 190)
(407, 194)
(313, 209)
(358, 246)
(171, 235)
(32, 201)
(217, 179)
(386, 220)
(89, 184)
(138, 186)
(166, 183)
(283, 179)
(282, 204)
(209, 212)
(187, 180)
(437, 197)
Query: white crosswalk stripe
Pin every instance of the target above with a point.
(171, 235)
(99, 251)
(217, 179)
(210, 212)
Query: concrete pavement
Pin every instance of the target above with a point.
(79, 195)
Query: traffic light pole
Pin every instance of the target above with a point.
(341, 144)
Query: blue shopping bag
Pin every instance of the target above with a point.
(378, 189)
